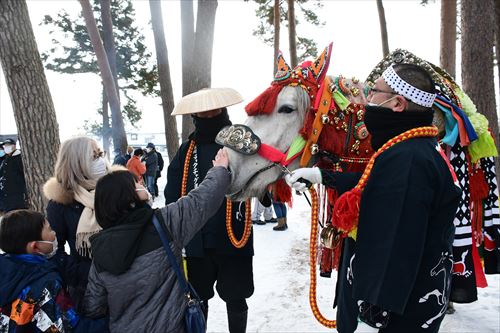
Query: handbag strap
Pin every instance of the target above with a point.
(170, 255)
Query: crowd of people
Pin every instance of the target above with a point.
(116, 276)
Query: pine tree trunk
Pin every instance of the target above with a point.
(187, 27)
(30, 96)
(276, 34)
(477, 52)
(118, 129)
(383, 28)
(497, 41)
(448, 43)
(105, 123)
(292, 34)
(204, 42)
(109, 46)
(167, 96)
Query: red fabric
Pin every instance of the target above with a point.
(346, 210)
(265, 102)
(282, 192)
(326, 263)
(478, 267)
(478, 186)
(271, 154)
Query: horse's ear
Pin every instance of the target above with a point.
(283, 67)
(320, 66)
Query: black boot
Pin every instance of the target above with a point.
(237, 321)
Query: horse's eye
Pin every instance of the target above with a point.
(285, 109)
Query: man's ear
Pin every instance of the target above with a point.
(400, 104)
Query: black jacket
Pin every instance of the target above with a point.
(151, 163)
(214, 233)
(12, 183)
(161, 163)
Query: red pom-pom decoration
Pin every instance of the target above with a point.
(346, 210)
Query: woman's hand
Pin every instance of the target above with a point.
(221, 159)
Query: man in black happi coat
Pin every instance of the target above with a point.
(396, 275)
(211, 258)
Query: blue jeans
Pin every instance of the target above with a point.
(150, 184)
(279, 209)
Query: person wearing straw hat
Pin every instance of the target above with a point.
(211, 258)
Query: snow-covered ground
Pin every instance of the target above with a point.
(280, 302)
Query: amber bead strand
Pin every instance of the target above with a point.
(248, 215)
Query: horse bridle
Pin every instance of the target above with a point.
(243, 140)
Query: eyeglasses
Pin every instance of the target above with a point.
(375, 90)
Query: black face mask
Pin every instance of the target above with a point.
(384, 124)
(206, 129)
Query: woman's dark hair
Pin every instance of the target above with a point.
(138, 152)
(18, 228)
(115, 195)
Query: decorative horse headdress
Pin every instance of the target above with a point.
(309, 75)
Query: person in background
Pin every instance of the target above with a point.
(129, 154)
(258, 210)
(13, 193)
(2, 153)
(211, 257)
(119, 159)
(70, 210)
(135, 165)
(33, 296)
(129, 250)
(280, 210)
(151, 159)
(161, 163)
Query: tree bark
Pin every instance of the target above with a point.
(188, 37)
(105, 123)
(383, 28)
(109, 46)
(448, 38)
(30, 96)
(204, 42)
(292, 34)
(477, 50)
(276, 34)
(167, 96)
(118, 129)
(497, 40)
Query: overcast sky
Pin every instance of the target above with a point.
(240, 60)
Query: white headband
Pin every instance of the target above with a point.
(405, 89)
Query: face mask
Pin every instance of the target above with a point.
(148, 150)
(98, 168)
(2, 153)
(150, 197)
(54, 248)
(380, 104)
(8, 149)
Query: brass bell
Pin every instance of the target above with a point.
(330, 237)
(324, 119)
(314, 149)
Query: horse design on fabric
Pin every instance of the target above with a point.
(459, 267)
(350, 275)
(443, 266)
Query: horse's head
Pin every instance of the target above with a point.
(276, 117)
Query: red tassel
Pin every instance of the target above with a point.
(265, 102)
(325, 265)
(282, 192)
(346, 210)
(478, 186)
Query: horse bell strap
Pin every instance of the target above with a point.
(239, 138)
(323, 108)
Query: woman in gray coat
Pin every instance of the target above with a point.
(131, 278)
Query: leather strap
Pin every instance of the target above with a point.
(323, 108)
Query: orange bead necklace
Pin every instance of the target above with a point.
(248, 218)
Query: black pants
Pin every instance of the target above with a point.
(232, 276)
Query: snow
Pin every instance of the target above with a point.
(280, 302)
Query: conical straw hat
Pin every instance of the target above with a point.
(206, 100)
